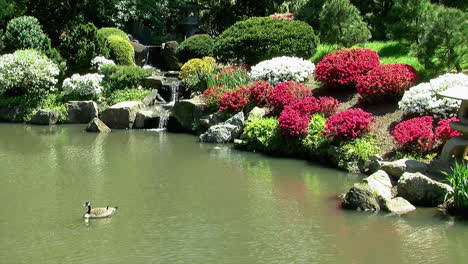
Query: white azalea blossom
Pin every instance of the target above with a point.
(281, 69)
(86, 86)
(29, 71)
(422, 99)
(100, 61)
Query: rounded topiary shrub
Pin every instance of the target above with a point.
(24, 33)
(344, 67)
(109, 31)
(262, 38)
(120, 50)
(386, 82)
(197, 46)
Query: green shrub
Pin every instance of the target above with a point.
(341, 23)
(459, 181)
(323, 50)
(120, 50)
(109, 31)
(53, 101)
(197, 46)
(307, 11)
(80, 45)
(24, 33)
(443, 42)
(128, 95)
(121, 77)
(262, 134)
(315, 142)
(358, 150)
(262, 38)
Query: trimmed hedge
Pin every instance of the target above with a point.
(120, 50)
(24, 33)
(110, 31)
(197, 46)
(262, 38)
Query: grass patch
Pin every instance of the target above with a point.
(322, 50)
(459, 181)
(128, 95)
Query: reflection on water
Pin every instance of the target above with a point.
(181, 201)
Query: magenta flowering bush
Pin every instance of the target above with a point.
(349, 124)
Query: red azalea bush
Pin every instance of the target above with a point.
(259, 91)
(285, 93)
(386, 82)
(328, 105)
(234, 101)
(295, 117)
(349, 124)
(444, 132)
(212, 95)
(415, 135)
(344, 67)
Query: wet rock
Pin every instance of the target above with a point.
(153, 98)
(96, 125)
(45, 117)
(188, 112)
(212, 119)
(421, 190)
(372, 165)
(255, 114)
(398, 167)
(141, 53)
(397, 205)
(149, 118)
(226, 131)
(81, 112)
(169, 54)
(361, 197)
(121, 115)
(154, 82)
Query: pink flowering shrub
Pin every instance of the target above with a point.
(328, 105)
(418, 134)
(234, 101)
(344, 67)
(212, 96)
(259, 91)
(285, 93)
(386, 82)
(349, 124)
(295, 117)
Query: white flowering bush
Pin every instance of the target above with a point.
(83, 87)
(423, 100)
(27, 73)
(282, 69)
(100, 61)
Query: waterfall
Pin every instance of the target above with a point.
(175, 91)
(163, 118)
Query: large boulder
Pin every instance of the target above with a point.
(381, 184)
(169, 54)
(81, 112)
(96, 125)
(397, 205)
(153, 82)
(256, 113)
(141, 53)
(150, 118)
(121, 115)
(398, 167)
(421, 190)
(45, 117)
(153, 98)
(189, 111)
(226, 131)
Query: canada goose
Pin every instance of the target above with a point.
(98, 212)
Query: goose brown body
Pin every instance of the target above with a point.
(100, 212)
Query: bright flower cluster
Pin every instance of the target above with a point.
(418, 134)
(234, 101)
(386, 82)
(100, 61)
(259, 91)
(344, 67)
(295, 118)
(212, 96)
(349, 124)
(86, 86)
(285, 93)
(27, 72)
(422, 99)
(282, 69)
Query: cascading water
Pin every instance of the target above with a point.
(163, 121)
(174, 91)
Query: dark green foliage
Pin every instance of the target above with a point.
(54, 55)
(443, 43)
(341, 23)
(460, 4)
(24, 33)
(309, 12)
(80, 45)
(121, 77)
(120, 50)
(263, 38)
(459, 181)
(10, 9)
(128, 95)
(197, 46)
(108, 31)
(376, 14)
(407, 19)
(2, 46)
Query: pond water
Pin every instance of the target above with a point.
(181, 201)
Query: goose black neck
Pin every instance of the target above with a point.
(89, 209)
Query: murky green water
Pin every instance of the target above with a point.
(185, 202)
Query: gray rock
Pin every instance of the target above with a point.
(169, 54)
(153, 98)
(398, 167)
(141, 53)
(255, 114)
(45, 117)
(421, 190)
(212, 119)
(96, 125)
(380, 183)
(153, 82)
(372, 165)
(81, 112)
(361, 197)
(397, 205)
(189, 111)
(149, 118)
(172, 74)
(226, 131)
(121, 115)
